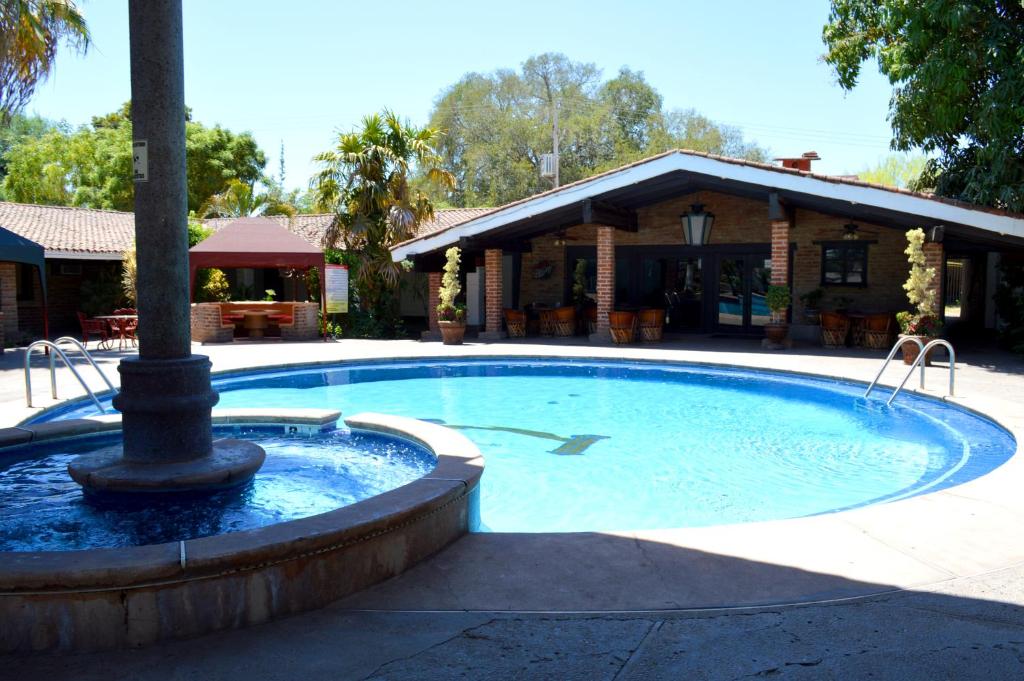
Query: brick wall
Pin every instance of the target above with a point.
(492, 290)
(304, 323)
(9, 299)
(740, 220)
(207, 326)
(780, 231)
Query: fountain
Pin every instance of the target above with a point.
(166, 397)
(132, 595)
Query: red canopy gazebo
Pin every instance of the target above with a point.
(256, 243)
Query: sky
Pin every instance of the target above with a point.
(299, 72)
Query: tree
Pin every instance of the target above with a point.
(957, 71)
(240, 200)
(498, 125)
(896, 170)
(365, 182)
(30, 32)
(92, 166)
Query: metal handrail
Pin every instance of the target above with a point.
(85, 353)
(899, 344)
(53, 374)
(920, 360)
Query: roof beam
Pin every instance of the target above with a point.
(483, 243)
(605, 213)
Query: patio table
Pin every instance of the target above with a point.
(119, 326)
(255, 321)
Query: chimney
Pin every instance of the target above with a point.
(803, 162)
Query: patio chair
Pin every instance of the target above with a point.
(126, 328)
(93, 326)
(515, 322)
(878, 330)
(834, 327)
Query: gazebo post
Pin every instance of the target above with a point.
(323, 297)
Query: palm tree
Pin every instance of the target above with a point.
(30, 31)
(366, 182)
(239, 200)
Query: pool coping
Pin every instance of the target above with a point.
(115, 597)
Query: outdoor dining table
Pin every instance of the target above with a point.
(118, 324)
(255, 321)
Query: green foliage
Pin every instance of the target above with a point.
(579, 282)
(102, 294)
(197, 231)
(896, 170)
(777, 298)
(918, 286)
(957, 70)
(497, 125)
(269, 295)
(212, 286)
(812, 299)
(239, 200)
(130, 276)
(366, 182)
(92, 166)
(32, 31)
(1009, 299)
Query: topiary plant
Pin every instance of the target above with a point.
(778, 299)
(447, 309)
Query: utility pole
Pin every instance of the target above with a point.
(554, 136)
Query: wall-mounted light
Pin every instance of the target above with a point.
(850, 232)
(697, 225)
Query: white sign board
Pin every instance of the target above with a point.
(140, 160)
(336, 287)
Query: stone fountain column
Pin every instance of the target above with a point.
(165, 396)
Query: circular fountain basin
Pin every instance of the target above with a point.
(125, 596)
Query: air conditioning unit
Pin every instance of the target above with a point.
(547, 165)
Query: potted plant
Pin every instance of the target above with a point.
(921, 323)
(451, 317)
(812, 303)
(580, 298)
(777, 299)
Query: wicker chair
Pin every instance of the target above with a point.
(834, 327)
(547, 322)
(622, 326)
(652, 324)
(564, 321)
(878, 330)
(515, 322)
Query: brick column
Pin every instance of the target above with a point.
(605, 281)
(492, 295)
(934, 255)
(433, 331)
(780, 252)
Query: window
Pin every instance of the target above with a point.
(26, 282)
(844, 264)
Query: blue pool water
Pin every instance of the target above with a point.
(44, 510)
(592, 445)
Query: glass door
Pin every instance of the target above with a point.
(743, 281)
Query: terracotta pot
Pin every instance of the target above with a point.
(911, 351)
(452, 332)
(776, 333)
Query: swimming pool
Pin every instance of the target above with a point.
(585, 445)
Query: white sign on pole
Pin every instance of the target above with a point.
(336, 287)
(140, 160)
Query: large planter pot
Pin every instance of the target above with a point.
(776, 333)
(452, 332)
(911, 351)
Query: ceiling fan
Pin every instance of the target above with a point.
(561, 236)
(852, 231)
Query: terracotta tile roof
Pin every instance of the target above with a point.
(70, 230)
(63, 229)
(838, 179)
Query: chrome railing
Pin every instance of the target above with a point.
(56, 351)
(899, 344)
(921, 360)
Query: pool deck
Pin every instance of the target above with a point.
(937, 577)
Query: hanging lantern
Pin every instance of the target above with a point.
(697, 225)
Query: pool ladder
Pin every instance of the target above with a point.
(921, 354)
(54, 347)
